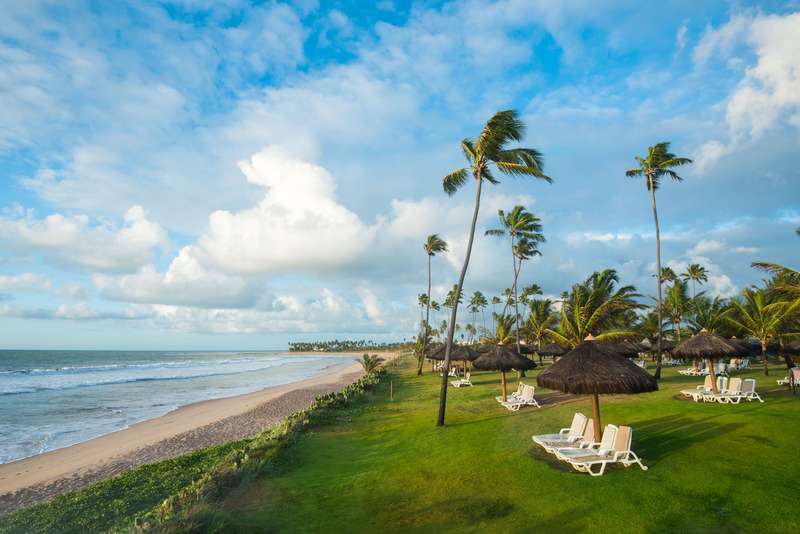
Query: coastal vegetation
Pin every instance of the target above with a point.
(375, 462)
(345, 346)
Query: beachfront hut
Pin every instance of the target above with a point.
(705, 345)
(592, 369)
(503, 359)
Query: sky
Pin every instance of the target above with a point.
(232, 175)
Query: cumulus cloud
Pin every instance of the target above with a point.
(73, 242)
(298, 225)
(25, 282)
(769, 92)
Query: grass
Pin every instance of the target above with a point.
(380, 464)
(713, 468)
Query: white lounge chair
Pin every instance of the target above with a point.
(525, 400)
(573, 433)
(691, 371)
(463, 382)
(749, 390)
(721, 369)
(621, 453)
(699, 390)
(586, 440)
(513, 396)
(733, 393)
(642, 364)
(606, 444)
(794, 376)
(745, 364)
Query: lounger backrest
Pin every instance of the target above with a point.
(735, 386)
(622, 442)
(722, 383)
(795, 375)
(749, 385)
(578, 424)
(588, 433)
(466, 377)
(707, 384)
(609, 435)
(528, 395)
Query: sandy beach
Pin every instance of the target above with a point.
(204, 424)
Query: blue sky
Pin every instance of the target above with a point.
(204, 174)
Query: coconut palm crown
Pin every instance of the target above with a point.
(489, 150)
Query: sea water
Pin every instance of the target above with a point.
(54, 399)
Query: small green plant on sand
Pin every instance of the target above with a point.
(370, 363)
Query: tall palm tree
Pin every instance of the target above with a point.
(432, 246)
(696, 273)
(762, 315)
(658, 163)
(524, 229)
(504, 332)
(667, 275)
(710, 315)
(477, 302)
(487, 150)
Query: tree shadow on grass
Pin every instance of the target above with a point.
(659, 438)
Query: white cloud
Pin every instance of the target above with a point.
(74, 242)
(25, 282)
(769, 92)
(298, 225)
(704, 246)
(76, 312)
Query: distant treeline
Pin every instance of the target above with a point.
(345, 346)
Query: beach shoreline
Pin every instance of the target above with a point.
(40, 478)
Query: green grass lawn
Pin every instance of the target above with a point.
(385, 467)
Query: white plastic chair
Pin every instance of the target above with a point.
(621, 453)
(573, 433)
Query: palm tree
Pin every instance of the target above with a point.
(658, 163)
(489, 149)
(696, 273)
(477, 302)
(524, 229)
(677, 304)
(762, 315)
(432, 246)
(710, 315)
(593, 307)
(504, 332)
(542, 317)
(370, 363)
(667, 275)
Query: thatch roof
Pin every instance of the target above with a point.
(552, 349)
(502, 358)
(666, 345)
(743, 347)
(528, 349)
(793, 347)
(590, 368)
(704, 345)
(459, 353)
(623, 348)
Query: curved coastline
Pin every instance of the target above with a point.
(37, 479)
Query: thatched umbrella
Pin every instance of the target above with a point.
(552, 349)
(459, 353)
(623, 348)
(705, 345)
(592, 369)
(793, 347)
(742, 347)
(528, 349)
(501, 358)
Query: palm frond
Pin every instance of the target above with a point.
(454, 180)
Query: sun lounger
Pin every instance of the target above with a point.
(586, 440)
(621, 453)
(606, 444)
(749, 390)
(463, 382)
(733, 393)
(691, 371)
(573, 433)
(525, 400)
(745, 364)
(794, 376)
(642, 364)
(699, 390)
(513, 396)
(721, 369)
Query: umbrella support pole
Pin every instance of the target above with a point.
(713, 378)
(596, 416)
(503, 380)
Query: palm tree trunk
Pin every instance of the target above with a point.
(451, 330)
(764, 354)
(427, 316)
(657, 374)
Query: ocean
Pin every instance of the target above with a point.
(54, 399)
